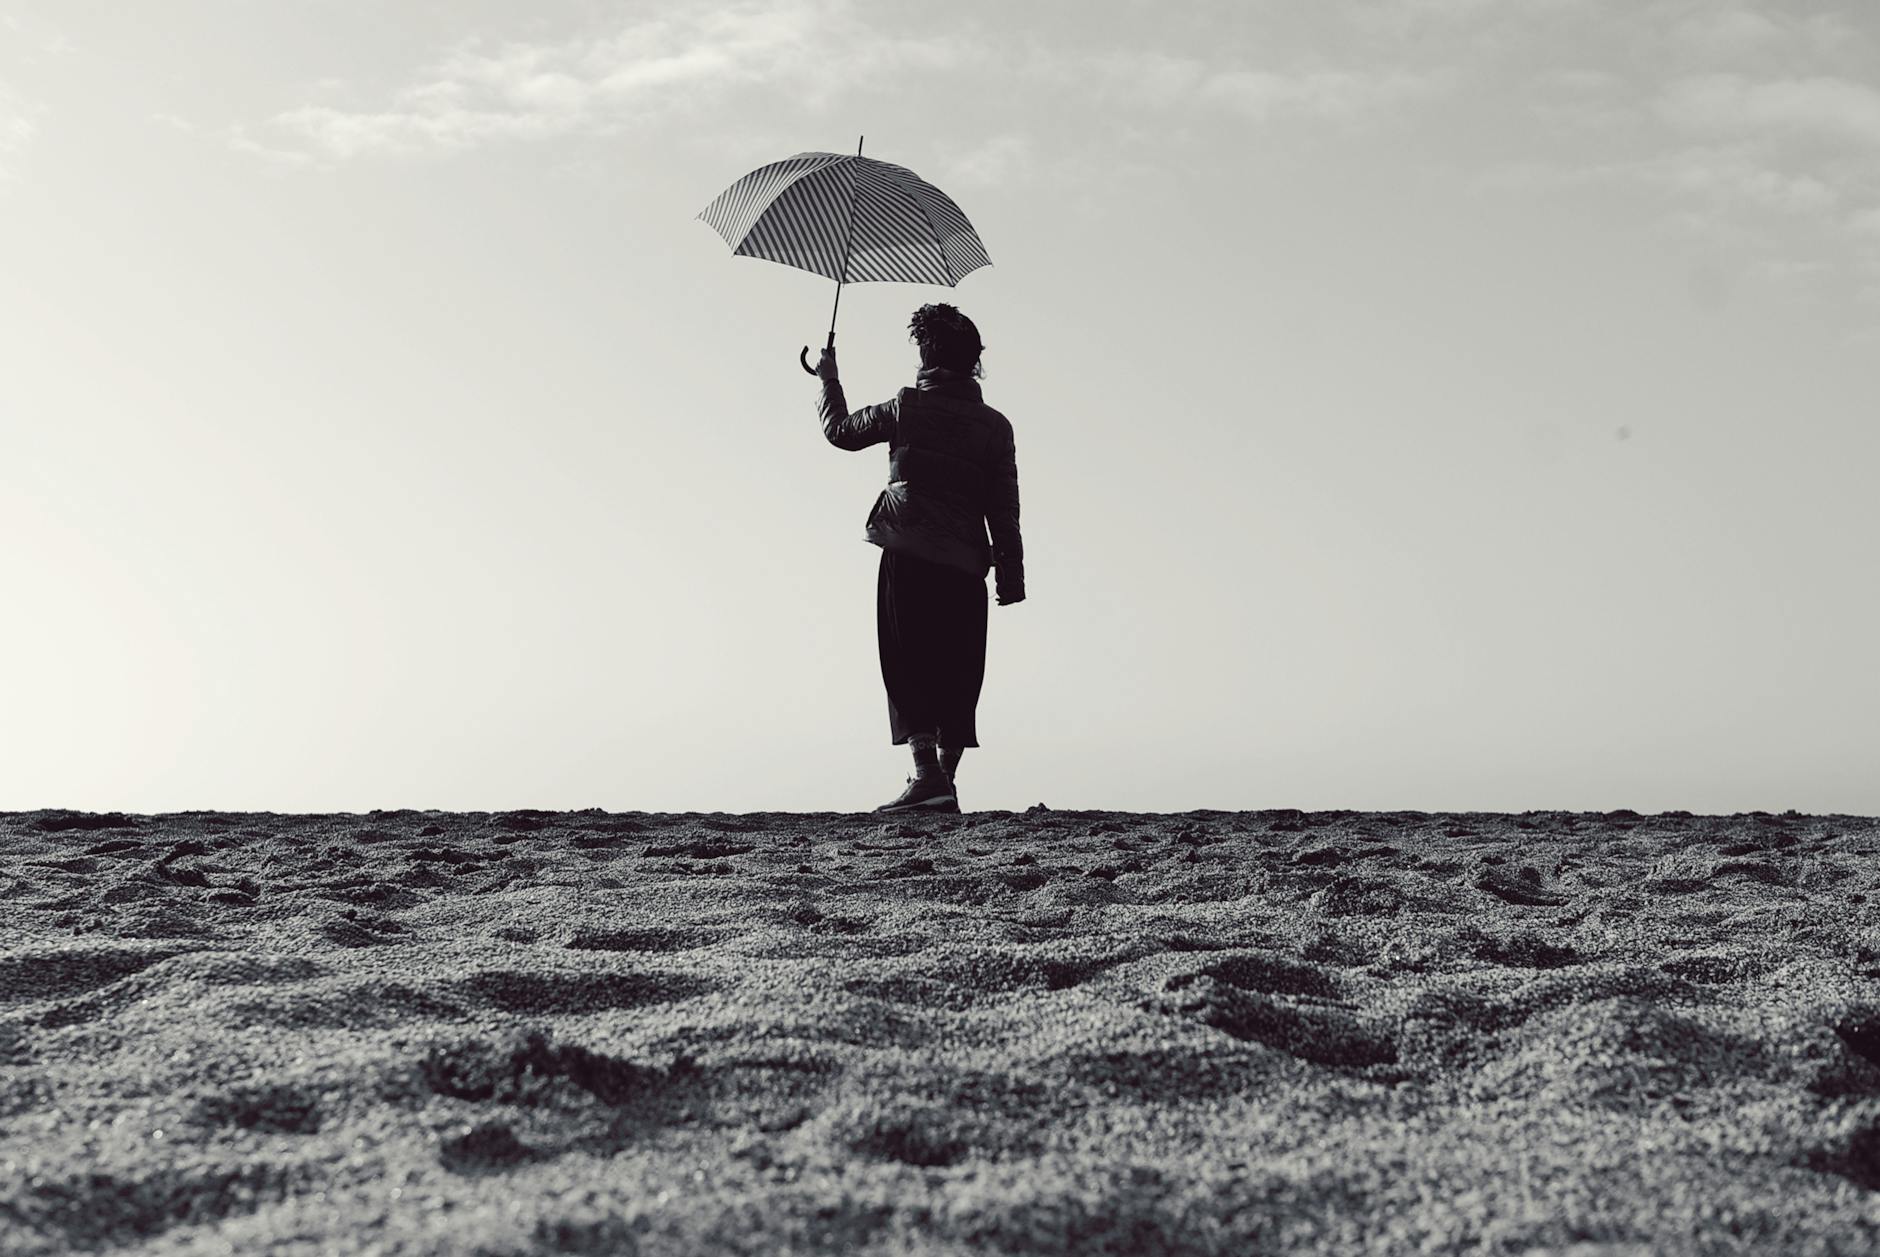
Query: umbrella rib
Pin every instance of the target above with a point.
(946, 263)
(786, 224)
(961, 231)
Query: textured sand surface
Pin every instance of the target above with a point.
(1051, 1032)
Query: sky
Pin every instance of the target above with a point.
(1435, 405)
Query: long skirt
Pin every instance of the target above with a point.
(930, 620)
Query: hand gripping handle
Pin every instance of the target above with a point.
(804, 356)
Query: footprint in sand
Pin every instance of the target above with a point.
(353, 928)
(281, 1108)
(522, 1067)
(1321, 1036)
(1521, 949)
(571, 1097)
(1620, 1054)
(1516, 889)
(1347, 895)
(698, 850)
(483, 1146)
(650, 938)
(547, 992)
(100, 1207)
(1177, 1072)
(1265, 975)
(53, 973)
(369, 892)
(941, 1117)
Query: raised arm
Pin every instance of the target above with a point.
(868, 426)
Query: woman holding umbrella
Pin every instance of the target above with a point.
(952, 474)
(949, 513)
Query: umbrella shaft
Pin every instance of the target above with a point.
(847, 237)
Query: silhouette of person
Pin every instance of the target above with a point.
(948, 515)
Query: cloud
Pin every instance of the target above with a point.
(284, 158)
(1721, 182)
(1146, 75)
(1725, 35)
(1749, 132)
(999, 160)
(1741, 179)
(1342, 94)
(686, 59)
(1578, 81)
(1577, 101)
(1819, 107)
(1465, 28)
(1746, 128)
(1781, 270)
(1250, 92)
(603, 83)
(18, 127)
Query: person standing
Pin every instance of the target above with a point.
(948, 515)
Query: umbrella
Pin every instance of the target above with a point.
(853, 219)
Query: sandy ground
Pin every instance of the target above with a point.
(1050, 1032)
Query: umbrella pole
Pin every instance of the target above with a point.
(847, 238)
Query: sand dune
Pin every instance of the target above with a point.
(1052, 1032)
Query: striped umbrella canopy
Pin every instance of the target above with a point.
(851, 218)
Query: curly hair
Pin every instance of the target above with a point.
(948, 339)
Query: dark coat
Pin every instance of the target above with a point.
(952, 474)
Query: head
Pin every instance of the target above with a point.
(948, 339)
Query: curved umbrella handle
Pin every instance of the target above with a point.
(831, 347)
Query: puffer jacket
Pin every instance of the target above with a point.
(952, 474)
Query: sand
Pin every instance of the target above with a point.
(1038, 1032)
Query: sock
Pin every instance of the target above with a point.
(950, 759)
(926, 761)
